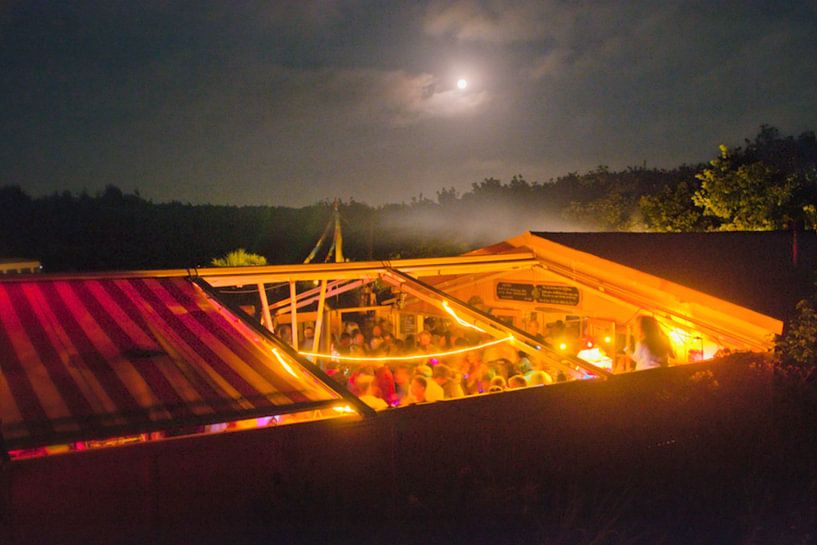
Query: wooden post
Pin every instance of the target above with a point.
(293, 299)
(319, 322)
(262, 293)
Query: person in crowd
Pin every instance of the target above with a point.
(402, 383)
(539, 378)
(365, 384)
(517, 381)
(308, 342)
(388, 343)
(498, 381)
(532, 329)
(284, 333)
(500, 358)
(375, 345)
(523, 365)
(354, 378)
(476, 375)
(344, 344)
(434, 391)
(555, 333)
(358, 346)
(398, 347)
(419, 387)
(653, 348)
(384, 380)
(448, 380)
(425, 343)
(410, 344)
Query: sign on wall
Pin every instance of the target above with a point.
(553, 294)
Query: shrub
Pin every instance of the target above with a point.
(798, 346)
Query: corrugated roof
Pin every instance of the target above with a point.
(91, 358)
(752, 269)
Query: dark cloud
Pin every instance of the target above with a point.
(292, 102)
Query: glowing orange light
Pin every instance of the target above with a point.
(407, 358)
(459, 320)
(608, 340)
(283, 363)
(344, 409)
(563, 346)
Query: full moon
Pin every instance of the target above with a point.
(462, 84)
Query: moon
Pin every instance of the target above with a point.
(462, 84)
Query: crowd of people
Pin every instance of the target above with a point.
(393, 371)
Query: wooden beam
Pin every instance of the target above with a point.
(293, 296)
(238, 276)
(262, 293)
(319, 321)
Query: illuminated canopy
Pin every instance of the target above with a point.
(95, 358)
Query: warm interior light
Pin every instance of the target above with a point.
(563, 346)
(608, 340)
(283, 363)
(408, 358)
(459, 320)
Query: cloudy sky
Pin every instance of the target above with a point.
(288, 103)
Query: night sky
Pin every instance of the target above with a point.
(288, 103)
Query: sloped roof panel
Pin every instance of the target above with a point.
(88, 358)
(766, 271)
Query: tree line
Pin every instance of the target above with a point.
(769, 183)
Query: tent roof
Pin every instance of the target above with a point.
(752, 269)
(94, 358)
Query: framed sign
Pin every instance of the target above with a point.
(552, 294)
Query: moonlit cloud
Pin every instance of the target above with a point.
(337, 96)
(551, 64)
(499, 22)
(241, 102)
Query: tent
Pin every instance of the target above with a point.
(104, 355)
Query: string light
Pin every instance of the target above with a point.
(407, 358)
(459, 320)
(283, 363)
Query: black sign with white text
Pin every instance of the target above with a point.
(539, 293)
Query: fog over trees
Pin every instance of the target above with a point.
(769, 183)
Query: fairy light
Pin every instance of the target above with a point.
(283, 363)
(459, 320)
(408, 358)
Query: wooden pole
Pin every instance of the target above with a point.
(338, 236)
(265, 313)
(293, 297)
(319, 322)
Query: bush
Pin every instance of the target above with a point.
(799, 344)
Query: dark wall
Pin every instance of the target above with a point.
(484, 456)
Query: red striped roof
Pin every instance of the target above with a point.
(91, 358)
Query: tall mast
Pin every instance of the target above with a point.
(338, 235)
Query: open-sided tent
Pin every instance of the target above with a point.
(101, 355)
